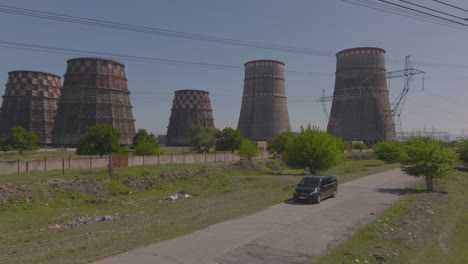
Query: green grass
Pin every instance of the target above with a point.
(420, 228)
(33, 155)
(220, 192)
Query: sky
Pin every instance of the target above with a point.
(327, 26)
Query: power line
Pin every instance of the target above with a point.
(433, 10)
(456, 7)
(422, 12)
(76, 52)
(156, 31)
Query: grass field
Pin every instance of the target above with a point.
(421, 228)
(133, 197)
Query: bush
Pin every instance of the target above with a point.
(462, 150)
(388, 151)
(146, 148)
(359, 145)
(99, 140)
(248, 149)
(313, 149)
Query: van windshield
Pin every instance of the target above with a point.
(315, 182)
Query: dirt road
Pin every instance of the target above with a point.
(283, 233)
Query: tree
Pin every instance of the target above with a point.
(462, 150)
(312, 149)
(142, 135)
(248, 149)
(421, 156)
(20, 139)
(229, 139)
(388, 151)
(99, 140)
(277, 144)
(359, 145)
(203, 138)
(145, 144)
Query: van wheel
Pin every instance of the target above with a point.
(319, 199)
(334, 193)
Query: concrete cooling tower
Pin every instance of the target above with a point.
(361, 109)
(190, 108)
(94, 92)
(264, 112)
(30, 100)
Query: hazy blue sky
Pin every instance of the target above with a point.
(325, 25)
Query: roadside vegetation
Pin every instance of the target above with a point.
(42, 213)
(423, 227)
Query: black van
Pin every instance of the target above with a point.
(315, 188)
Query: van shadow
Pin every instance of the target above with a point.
(399, 191)
(291, 201)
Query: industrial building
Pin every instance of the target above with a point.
(361, 109)
(30, 100)
(94, 92)
(190, 108)
(264, 111)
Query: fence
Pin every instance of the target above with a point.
(19, 166)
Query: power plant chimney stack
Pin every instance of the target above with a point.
(30, 100)
(264, 111)
(361, 109)
(190, 108)
(94, 92)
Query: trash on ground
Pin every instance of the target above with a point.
(176, 196)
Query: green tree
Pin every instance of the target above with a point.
(248, 149)
(277, 144)
(99, 140)
(461, 148)
(145, 144)
(21, 140)
(146, 147)
(229, 139)
(359, 145)
(312, 149)
(203, 138)
(388, 151)
(142, 135)
(421, 156)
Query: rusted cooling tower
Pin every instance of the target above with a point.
(30, 100)
(190, 108)
(361, 110)
(94, 92)
(264, 112)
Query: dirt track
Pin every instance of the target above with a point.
(279, 233)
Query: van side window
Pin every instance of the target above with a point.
(325, 181)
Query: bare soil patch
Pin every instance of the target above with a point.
(246, 165)
(10, 192)
(85, 186)
(139, 183)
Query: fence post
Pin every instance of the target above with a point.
(215, 156)
(69, 161)
(158, 158)
(90, 162)
(27, 166)
(183, 158)
(63, 166)
(45, 164)
(143, 159)
(205, 157)
(171, 158)
(19, 166)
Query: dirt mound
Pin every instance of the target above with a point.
(10, 192)
(246, 165)
(85, 186)
(274, 166)
(139, 183)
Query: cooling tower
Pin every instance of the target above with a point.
(361, 110)
(30, 100)
(264, 112)
(190, 108)
(94, 92)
